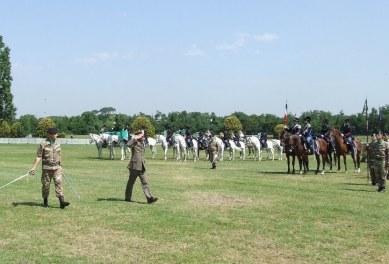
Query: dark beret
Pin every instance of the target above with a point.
(52, 130)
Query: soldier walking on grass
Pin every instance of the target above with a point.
(377, 151)
(137, 167)
(370, 159)
(213, 149)
(49, 152)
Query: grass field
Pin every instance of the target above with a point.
(244, 212)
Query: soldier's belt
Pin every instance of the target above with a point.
(49, 163)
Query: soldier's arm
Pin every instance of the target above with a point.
(37, 160)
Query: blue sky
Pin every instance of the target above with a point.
(209, 56)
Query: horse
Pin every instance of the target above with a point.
(203, 143)
(102, 141)
(253, 144)
(277, 146)
(162, 140)
(322, 150)
(152, 144)
(294, 148)
(233, 147)
(341, 149)
(192, 146)
(179, 145)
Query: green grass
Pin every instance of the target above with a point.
(244, 212)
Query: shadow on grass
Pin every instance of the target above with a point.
(117, 200)
(359, 190)
(27, 204)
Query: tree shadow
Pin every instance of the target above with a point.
(27, 204)
(112, 199)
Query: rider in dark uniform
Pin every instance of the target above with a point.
(263, 140)
(188, 138)
(296, 128)
(307, 134)
(347, 134)
(236, 140)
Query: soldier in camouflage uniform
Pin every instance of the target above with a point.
(370, 159)
(386, 139)
(213, 150)
(377, 161)
(49, 152)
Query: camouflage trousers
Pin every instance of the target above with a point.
(213, 157)
(47, 176)
(378, 174)
(130, 184)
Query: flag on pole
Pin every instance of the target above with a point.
(365, 108)
(286, 114)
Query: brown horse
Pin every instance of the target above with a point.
(322, 150)
(294, 147)
(341, 149)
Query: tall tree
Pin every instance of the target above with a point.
(7, 109)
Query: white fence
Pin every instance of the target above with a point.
(78, 141)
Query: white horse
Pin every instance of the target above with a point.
(253, 141)
(233, 147)
(179, 146)
(220, 144)
(102, 140)
(277, 146)
(162, 140)
(194, 149)
(152, 143)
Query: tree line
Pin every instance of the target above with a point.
(106, 119)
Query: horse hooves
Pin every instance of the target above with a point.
(322, 173)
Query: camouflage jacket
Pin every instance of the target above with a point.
(50, 152)
(377, 152)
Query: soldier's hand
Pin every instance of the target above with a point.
(31, 172)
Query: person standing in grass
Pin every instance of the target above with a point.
(213, 150)
(377, 156)
(370, 159)
(49, 152)
(137, 167)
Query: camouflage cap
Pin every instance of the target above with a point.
(52, 130)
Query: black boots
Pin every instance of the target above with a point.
(152, 200)
(62, 202)
(45, 203)
(213, 166)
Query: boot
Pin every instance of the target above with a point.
(213, 166)
(152, 200)
(45, 202)
(62, 203)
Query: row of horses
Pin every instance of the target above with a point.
(185, 148)
(324, 151)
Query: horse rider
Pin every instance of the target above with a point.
(296, 128)
(225, 139)
(347, 135)
(307, 134)
(236, 140)
(169, 137)
(325, 133)
(188, 138)
(263, 140)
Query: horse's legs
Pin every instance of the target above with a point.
(288, 161)
(345, 162)
(338, 159)
(293, 162)
(317, 163)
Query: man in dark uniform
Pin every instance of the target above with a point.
(347, 135)
(137, 167)
(263, 140)
(188, 138)
(307, 135)
(325, 134)
(49, 152)
(370, 159)
(296, 128)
